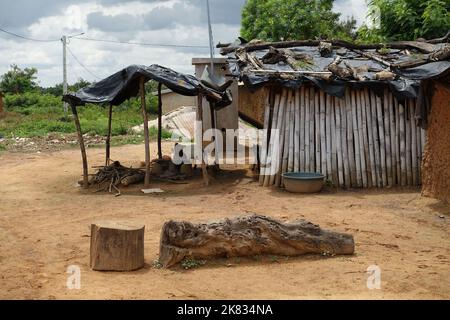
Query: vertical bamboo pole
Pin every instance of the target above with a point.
(200, 119)
(350, 141)
(317, 130)
(272, 144)
(334, 162)
(291, 133)
(344, 148)
(108, 137)
(302, 128)
(364, 127)
(323, 148)
(297, 131)
(382, 140)
(387, 123)
(284, 142)
(393, 136)
(82, 147)
(311, 129)
(159, 120)
(277, 153)
(265, 138)
(402, 144)
(357, 139)
(412, 108)
(372, 134)
(362, 140)
(306, 132)
(377, 144)
(328, 136)
(409, 179)
(338, 142)
(146, 136)
(397, 142)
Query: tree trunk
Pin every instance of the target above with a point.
(248, 236)
(117, 246)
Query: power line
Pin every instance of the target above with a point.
(142, 43)
(81, 64)
(27, 38)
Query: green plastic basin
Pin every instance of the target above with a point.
(303, 182)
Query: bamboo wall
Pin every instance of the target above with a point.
(360, 141)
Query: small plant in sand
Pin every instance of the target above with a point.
(191, 263)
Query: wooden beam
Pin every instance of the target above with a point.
(82, 147)
(108, 137)
(146, 135)
(159, 121)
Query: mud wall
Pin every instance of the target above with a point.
(436, 160)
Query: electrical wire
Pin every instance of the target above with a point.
(27, 38)
(81, 64)
(141, 43)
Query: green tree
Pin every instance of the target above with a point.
(18, 80)
(275, 20)
(406, 20)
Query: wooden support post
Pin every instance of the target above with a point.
(82, 148)
(146, 136)
(159, 121)
(200, 119)
(108, 138)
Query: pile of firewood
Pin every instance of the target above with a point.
(109, 178)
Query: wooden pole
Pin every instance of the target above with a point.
(334, 164)
(414, 158)
(284, 141)
(317, 130)
(408, 144)
(328, 136)
(146, 134)
(265, 140)
(297, 131)
(402, 144)
(159, 120)
(323, 146)
(362, 150)
(382, 140)
(392, 121)
(200, 119)
(350, 143)
(270, 153)
(82, 147)
(291, 133)
(338, 140)
(277, 150)
(374, 157)
(344, 147)
(302, 128)
(311, 129)
(397, 142)
(387, 122)
(365, 108)
(357, 139)
(306, 127)
(108, 137)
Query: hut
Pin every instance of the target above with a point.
(358, 114)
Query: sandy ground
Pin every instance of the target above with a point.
(45, 218)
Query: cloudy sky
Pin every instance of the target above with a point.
(179, 22)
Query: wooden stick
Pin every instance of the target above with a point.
(317, 134)
(82, 147)
(415, 173)
(334, 161)
(357, 139)
(364, 128)
(362, 142)
(108, 137)
(284, 143)
(205, 174)
(291, 133)
(273, 137)
(297, 130)
(338, 141)
(159, 121)
(402, 144)
(397, 142)
(349, 135)
(302, 128)
(323, 148)
(146, 135)
(344, 148)
(382, 140)
(374, 157)
(328, 136)
(311, 129)
(387, 123)
(376, 137)
(306, 132)
(409, 179)
(277, 151)
(392, 123)
(265, 139)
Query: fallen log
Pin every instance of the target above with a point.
(248, 236)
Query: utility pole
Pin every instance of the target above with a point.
(64, 42)
(211, 40)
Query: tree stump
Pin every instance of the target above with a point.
(117, 246)
(248, 236)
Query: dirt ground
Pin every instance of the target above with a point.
(45, 219)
